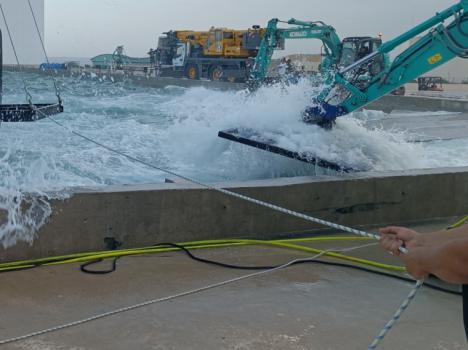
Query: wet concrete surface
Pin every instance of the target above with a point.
(303, 307)
(426, 126)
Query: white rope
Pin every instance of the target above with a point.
(222, 190)
(172, 297)
(274, 207)
(396, 316)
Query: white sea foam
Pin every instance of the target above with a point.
(199, 114)
(177, 128)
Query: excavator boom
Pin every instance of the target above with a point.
(274, 37)
(363, 82)
(362, 74)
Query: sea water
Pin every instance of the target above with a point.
(176, 128)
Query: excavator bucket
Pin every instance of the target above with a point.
(323, 114)
(255, 139)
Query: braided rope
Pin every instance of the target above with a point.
(396, 316)
(224, 191)
(274, 207)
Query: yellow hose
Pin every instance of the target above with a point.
(191, 245)
(459, 223)
(285, 244)
(206, 244)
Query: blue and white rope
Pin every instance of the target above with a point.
(271, 206)
(396, 317)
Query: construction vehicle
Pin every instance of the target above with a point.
(369, 78)
(430, 84)
(336, 52)
(357, 85)
(217, 54)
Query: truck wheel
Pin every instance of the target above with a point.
(216, 73)
(191, 72)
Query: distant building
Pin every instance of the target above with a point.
(23, 31)
(118, 60)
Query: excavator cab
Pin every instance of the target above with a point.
(356, 48)
(353, 50)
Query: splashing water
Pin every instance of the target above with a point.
(199, 114)
(174, 128)
(21, 212)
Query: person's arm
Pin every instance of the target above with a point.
(394, 237)
(442, 253)
(456, 233)
(448, 261)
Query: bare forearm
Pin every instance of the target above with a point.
(441, 237)
(449, 261)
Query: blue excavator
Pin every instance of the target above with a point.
(359, 71)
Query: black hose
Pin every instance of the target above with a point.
(270, 267)
(83, 267)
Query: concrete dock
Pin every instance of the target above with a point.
(304, 307)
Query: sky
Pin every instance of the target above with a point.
(86, 28)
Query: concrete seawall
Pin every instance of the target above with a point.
(144, 215)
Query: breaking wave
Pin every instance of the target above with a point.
(176, 128)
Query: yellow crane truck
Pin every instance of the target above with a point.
(218, 54)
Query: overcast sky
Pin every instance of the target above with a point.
(85, 28)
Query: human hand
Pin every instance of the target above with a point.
(394, 237)
(415, 262)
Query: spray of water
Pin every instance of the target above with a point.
(177, 129)
(23, 209)
(199, 114)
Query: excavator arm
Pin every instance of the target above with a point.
(368, 79)
(371, 75)
(274, 37)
